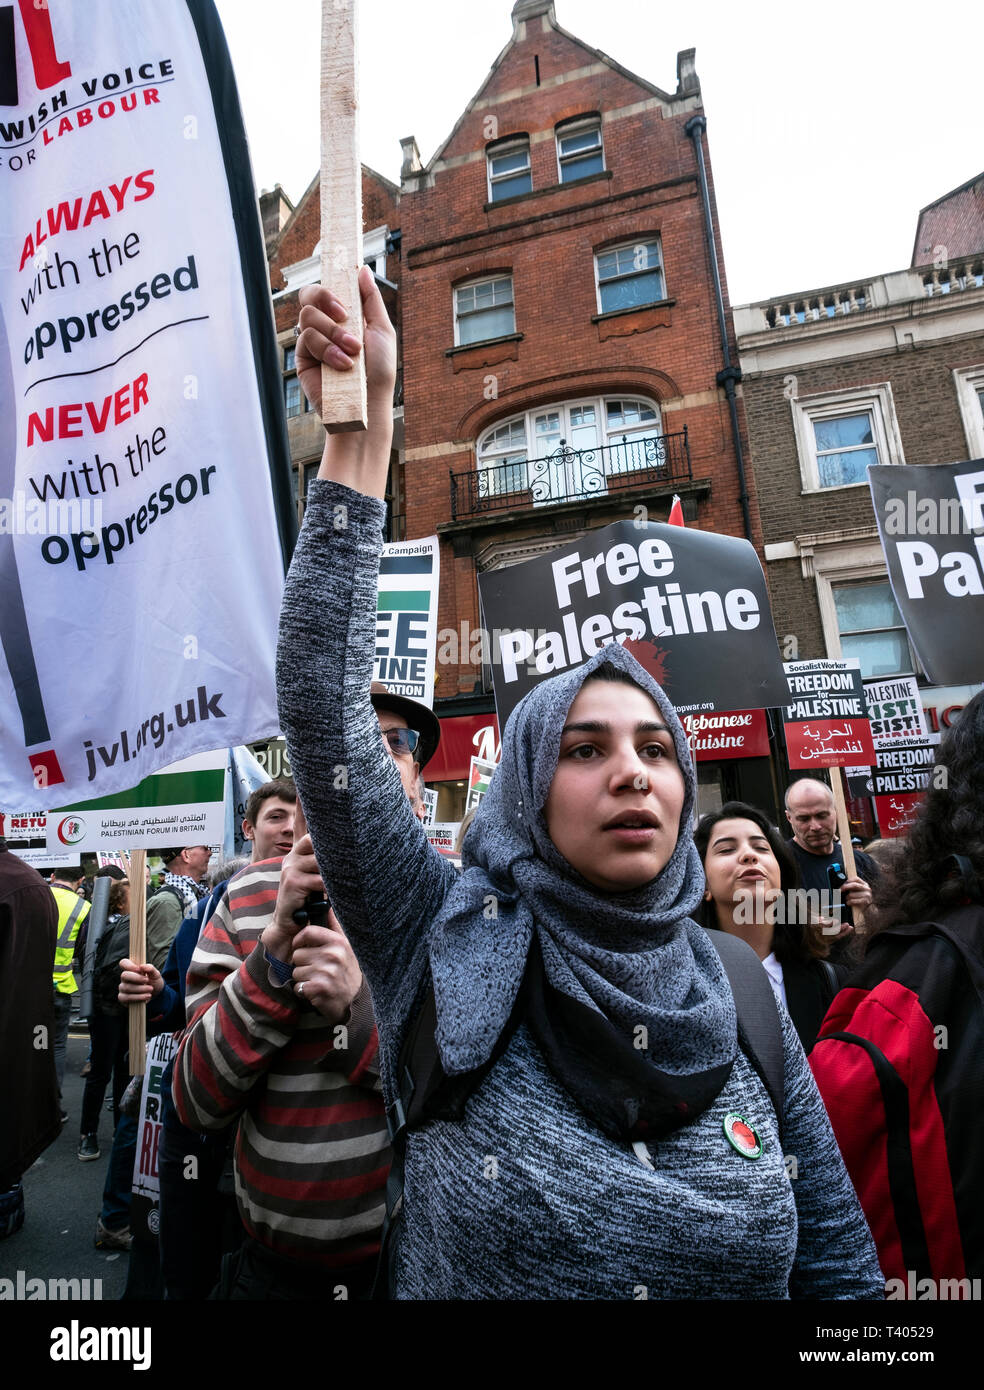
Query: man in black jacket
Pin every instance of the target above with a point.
(810, 811)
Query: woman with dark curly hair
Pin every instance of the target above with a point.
(753, 891)
(898, 1058)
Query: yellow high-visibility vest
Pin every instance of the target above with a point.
(72, 912)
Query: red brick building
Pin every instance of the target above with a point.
(566, 336)
(951, 227)
(293, 248)
(561, 341)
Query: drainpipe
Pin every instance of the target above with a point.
(731, 373)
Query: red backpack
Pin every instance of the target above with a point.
(899, 1062)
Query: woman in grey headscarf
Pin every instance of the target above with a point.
(610, 1136)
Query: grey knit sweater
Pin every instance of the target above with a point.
(526, 1197)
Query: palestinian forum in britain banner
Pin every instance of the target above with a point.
(145, 507)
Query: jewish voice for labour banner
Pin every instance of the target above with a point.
(931, 523)
(144, 473)
(691, 606)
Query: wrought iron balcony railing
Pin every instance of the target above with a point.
(568, 475)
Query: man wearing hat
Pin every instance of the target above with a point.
(412, 732)
(177, 898)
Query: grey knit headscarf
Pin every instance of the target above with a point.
(634, 957)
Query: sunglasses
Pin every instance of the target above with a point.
(402, 740)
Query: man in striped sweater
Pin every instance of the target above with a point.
(281, 1036)
(281, 1033)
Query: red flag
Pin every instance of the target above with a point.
(675, 517)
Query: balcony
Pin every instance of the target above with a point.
(573, 475)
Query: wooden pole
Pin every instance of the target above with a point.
(844, 835)
(138, 954)
(343, 394)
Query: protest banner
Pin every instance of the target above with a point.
(144, 468)
(115, 859)
(895, 711)
(897, 723)
(826, 725)
(146, 1189)
(904, 769)
(825, 716)
(443, 835)
(931, 523)
(184, 804)
(406, 618)
(897, 813)
(690, 605)
(26, 833)
(430, 807)
(479, 776)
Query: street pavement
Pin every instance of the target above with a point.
(62, 1199)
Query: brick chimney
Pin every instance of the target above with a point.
(275, 209)
(524, 10)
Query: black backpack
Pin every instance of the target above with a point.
(114, 946)
(427, 1093)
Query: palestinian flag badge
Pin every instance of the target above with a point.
(741, 1136)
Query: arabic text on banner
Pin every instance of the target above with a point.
(183, 805)
(826, 721)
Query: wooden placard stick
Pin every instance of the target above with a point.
(844, 835)
(138, 954)
(343, 394)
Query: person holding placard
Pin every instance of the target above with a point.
(629, 1165)
(815, 847)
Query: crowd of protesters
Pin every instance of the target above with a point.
(599, 1054)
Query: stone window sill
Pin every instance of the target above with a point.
(545, 192)
(484, 343)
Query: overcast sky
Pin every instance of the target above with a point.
(829, 125)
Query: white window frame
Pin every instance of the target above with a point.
(580, 127)
(844, 579)
(471, 285)
(834, 564)
(609, 438)
(374, 250)
(289, 373)
(308, 271)
(522, 142)
(968, 381)
(876, 399)
(622, 246)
